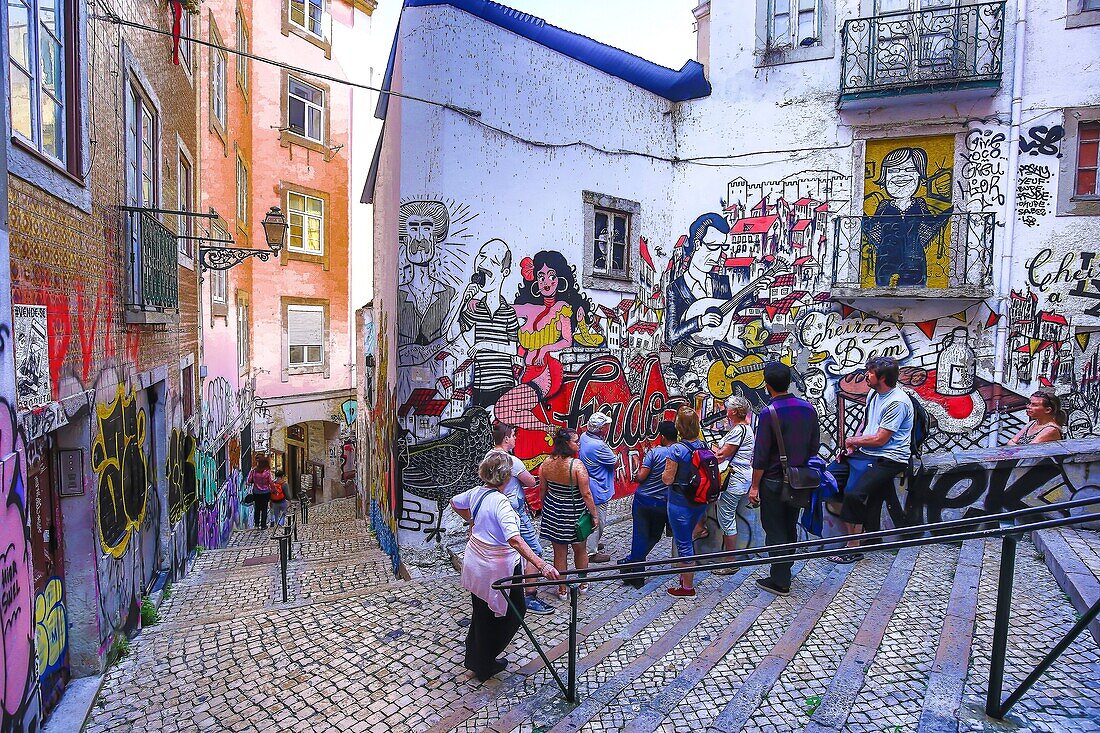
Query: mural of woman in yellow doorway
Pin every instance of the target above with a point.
(907, 204)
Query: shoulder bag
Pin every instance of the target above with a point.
(799, 482)
(585, 526)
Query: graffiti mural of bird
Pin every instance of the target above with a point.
(443, 468)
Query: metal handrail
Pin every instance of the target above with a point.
(1006, 528)
(508, 583)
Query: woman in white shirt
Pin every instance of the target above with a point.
(492, 552)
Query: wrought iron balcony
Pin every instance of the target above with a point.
(153, 292)
(936, 256)
(957, 47)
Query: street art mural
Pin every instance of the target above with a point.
(32, 366)
(907, 191)
(127, 510)
(382, 490)
(20, 708)
(489, 331)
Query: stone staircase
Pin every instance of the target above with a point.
(898, 642)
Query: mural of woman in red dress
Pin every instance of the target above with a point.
(552, 308)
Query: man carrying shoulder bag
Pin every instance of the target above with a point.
(788, 434)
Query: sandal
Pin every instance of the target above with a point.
(845, 558)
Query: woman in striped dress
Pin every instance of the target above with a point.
(563, 489)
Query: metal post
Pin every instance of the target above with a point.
(305, 509)
(571, 694)
(1050, 658)
(294, 525)
(284, 560)
(1000, 627)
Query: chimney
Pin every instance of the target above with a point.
(702, 35)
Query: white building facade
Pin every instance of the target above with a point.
(860, 178)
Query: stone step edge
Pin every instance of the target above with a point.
(471, 705)
(848, 679)
(740, 708)
(947, 678)
(1071, 573)
(610, 689)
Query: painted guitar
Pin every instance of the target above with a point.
(724, 331)
(748, 370)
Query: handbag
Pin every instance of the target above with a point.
(799, 482)
(584, 525)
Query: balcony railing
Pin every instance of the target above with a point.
(153, 295)
(936, 256)
(926, 51)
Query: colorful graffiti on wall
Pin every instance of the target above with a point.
(17, 620)
(382, 493)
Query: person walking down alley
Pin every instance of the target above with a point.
(565, 497)
(736, 447)
(279, 500)
(797, 422)
(260, 479)
(493, 552)
(599, 460)
(649, 509)
(504, 441)
(877, 454)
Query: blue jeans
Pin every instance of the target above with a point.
(683, 516)
(527, 532)
(650, 517)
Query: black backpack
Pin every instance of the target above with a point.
(921, 424)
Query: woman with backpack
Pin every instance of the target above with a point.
(260, 480)
(279, 502)
(690, 468)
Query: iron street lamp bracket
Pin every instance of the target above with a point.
(223, 258)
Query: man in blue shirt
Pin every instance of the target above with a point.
(798, 422)
(599, 459)
(878, 454)
(649, 510)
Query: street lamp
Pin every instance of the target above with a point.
(223, 258)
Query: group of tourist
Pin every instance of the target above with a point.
(675, 488)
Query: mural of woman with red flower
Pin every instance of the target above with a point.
(553, 309)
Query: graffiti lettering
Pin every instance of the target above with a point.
(118, 457)
(1042, 140)
(851, 341)
(1033, 197)
(983, 170)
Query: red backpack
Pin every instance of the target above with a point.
(701, 484)
(277, 493)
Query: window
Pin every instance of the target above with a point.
(1088, 145)
(242, 333)
(611, 233)
(612, 253)
(40, 72)
(305, 109)
(305, 329)
(187, 389)
(141, 150)
(307, 224)
(218, 63)
(185, 188)
(218, 286)
(1081, 13)
(242, 45)
(185, 46)
(794, 23)
(242, 193)
(307, 15)
(1078, 162)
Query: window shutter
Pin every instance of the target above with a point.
(305, 326)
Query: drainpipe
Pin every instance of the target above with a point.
(1005, 264)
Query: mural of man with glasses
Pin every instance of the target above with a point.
(703, 248)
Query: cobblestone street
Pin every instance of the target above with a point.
(356, 651)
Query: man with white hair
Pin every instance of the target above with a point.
(599, 459)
